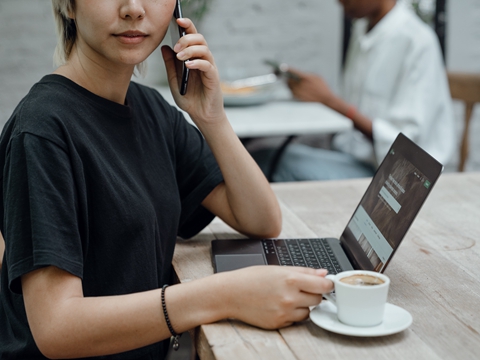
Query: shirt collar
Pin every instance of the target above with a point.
(390, 22)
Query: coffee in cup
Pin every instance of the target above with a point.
(360, 297)
(362, 280)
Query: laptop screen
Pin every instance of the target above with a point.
(390, 204)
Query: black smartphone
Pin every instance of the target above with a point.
(176, 33)
(281, 70)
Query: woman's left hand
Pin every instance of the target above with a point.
(203, 100)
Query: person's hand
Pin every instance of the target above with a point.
(309, 87)
(203, 100)
(272, 297)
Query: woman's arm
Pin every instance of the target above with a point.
(65, 324)
(245, 200)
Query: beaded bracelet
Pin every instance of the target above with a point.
(175, 336)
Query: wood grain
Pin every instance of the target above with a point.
(435, 276)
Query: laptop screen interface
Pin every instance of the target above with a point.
(389, 206)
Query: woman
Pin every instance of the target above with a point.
(101, 174)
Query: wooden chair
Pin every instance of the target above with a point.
(466, 88)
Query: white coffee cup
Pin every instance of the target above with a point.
(359, 305)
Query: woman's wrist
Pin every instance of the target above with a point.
(196, 303)
(205, 123)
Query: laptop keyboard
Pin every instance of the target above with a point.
(313, 253)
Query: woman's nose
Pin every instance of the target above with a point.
(132, 9)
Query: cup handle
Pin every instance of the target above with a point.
(330, 296)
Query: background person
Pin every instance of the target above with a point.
(100, 175)
(394, 81)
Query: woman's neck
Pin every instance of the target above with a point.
(110, 83)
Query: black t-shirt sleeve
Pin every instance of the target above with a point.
(197, 175)
(41, 214)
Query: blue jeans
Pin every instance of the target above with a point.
(303, 163)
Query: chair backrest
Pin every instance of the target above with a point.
(465, 87)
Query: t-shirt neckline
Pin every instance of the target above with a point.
(124, 111)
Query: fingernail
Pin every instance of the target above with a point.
(322, 271)
(177, 48)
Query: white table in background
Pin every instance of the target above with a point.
(280, 117)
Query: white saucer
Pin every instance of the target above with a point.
(396, 319)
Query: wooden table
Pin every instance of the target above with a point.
(435, 276)
(280, 117)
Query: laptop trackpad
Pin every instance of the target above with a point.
(237, 261)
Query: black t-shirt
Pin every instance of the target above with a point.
(100, 190)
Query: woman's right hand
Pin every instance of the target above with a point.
(273, 297)
(269, 297)
(203, 100)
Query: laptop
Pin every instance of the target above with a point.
(378, 225)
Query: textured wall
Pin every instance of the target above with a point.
(242, 34)
(304, 33)
(27, 42)
(463, 35)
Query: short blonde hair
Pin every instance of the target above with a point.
(66, 30)
(67, 33)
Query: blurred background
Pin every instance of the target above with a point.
(308, 34)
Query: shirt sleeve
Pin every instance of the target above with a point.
(40, 219)
(420, 103)
(197, 175)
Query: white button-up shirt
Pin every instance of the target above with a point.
(395, 75)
